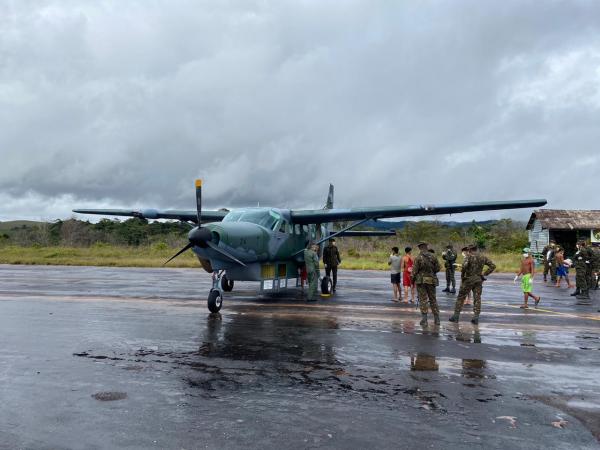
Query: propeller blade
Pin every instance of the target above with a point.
(199, 202)
(187, 247)
(224, 253)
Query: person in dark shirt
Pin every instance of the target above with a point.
(331, 259)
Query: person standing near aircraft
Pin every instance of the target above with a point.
(582, 263)
(465, 255)
(527, 270)
(473, 281)
(311, 260)
(595, 265)
(406, 269)
(549, 262)
(395, 262)
(424, 276)
(449, 257)
(331, 259)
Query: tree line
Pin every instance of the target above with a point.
(500, 236)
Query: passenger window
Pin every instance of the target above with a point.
(297, 229)
(305, 228)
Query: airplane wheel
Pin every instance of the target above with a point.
(226, 284)
(215, 301)
(326, 285)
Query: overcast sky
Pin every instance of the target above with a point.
(124, 103)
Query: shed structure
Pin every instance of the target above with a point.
(564, 227)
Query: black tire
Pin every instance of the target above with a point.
(226, 284)
(326, 285)
(215, 301)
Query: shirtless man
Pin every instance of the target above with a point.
(528, 271)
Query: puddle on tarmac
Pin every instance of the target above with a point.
(109, 396)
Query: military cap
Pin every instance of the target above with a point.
(473, 247)
(422, 244)
(464, 249)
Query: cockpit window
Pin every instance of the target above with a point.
(266, 218)
(233, 216)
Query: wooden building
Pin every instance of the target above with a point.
(564, 227)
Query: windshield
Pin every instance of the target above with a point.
(262, 217)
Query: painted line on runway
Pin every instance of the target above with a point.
(576, 316)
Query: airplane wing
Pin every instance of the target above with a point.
(316, 216)
(207, 216)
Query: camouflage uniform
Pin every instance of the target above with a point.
(595, 266)
(589, 269)
(311, 259)
(425, 268)
(580, 266)
(449, 259)
(545, 261)
(472, 280)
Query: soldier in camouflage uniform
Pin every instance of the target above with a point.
(589, 268)
(424, 276)
(449, 257)
(582, 262)
(549, 255)
(311, 259)
(595, 266)
(473, 281)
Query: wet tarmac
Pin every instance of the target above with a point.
(131, 358)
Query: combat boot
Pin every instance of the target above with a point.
(475, 320)
(423, 319)
(453, 291)
(576, 293)
(447, 289)
(436, 319)
(454, 318)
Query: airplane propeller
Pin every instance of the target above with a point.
(202, 237)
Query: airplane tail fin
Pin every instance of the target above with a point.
(329, 204)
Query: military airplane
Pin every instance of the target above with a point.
(266, 244)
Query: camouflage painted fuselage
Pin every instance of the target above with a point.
(264, 239)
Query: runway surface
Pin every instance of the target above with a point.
(131, 358)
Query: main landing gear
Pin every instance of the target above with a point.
(220, 284)
(326, 285)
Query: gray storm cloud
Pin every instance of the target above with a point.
(124, 103)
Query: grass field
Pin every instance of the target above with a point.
(155, 256)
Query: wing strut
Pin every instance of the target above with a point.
(349, 227)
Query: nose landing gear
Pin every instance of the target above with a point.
(220, 284)
(215, 301)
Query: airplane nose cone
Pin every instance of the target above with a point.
(200, 236)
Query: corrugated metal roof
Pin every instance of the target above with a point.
(566, 219)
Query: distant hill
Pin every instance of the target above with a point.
(12, 224)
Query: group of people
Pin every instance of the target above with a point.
(331, 260)
(421, 273)
(585, 261)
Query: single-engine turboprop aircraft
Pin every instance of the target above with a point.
(266, 244)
